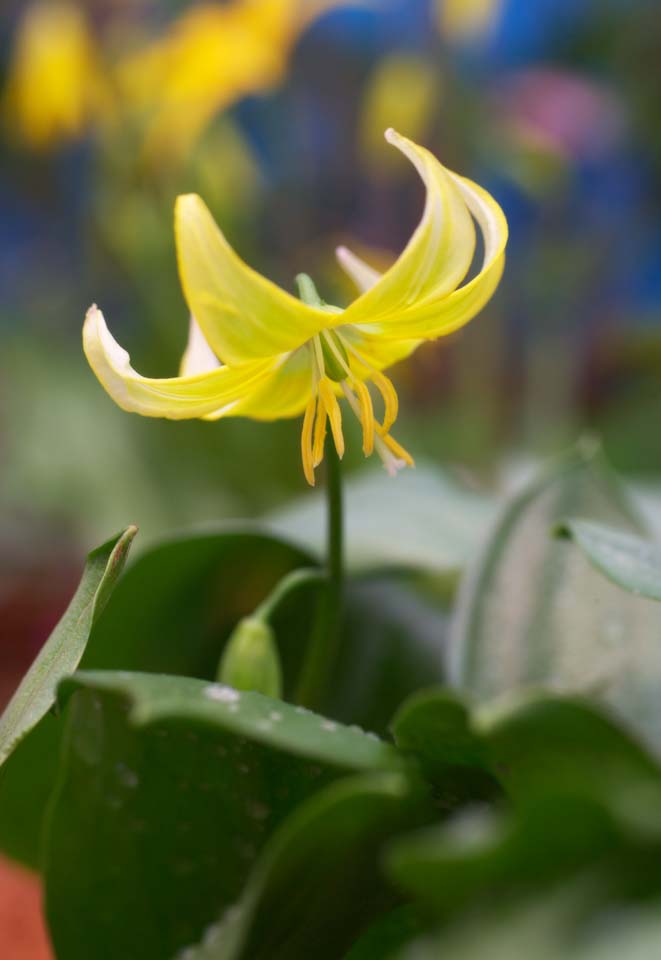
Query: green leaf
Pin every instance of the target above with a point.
(195, 587)
(481, 856)
(437, 727)
(630, 562)
(426, 521)
(528, 745)
(169, 788)
(392, 644)
(561, 927)
(170, 612)
(318, 883)
(535, 612)
(388, 935)
(64, 649)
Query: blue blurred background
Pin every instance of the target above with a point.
(552, 105)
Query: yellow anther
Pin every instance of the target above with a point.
(390, 399)
(319, 435)
(398, 450)
(366, 416)
(306, 441)
(329, 400)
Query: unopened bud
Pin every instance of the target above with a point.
(250, 660)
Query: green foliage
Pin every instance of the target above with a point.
(535, 612)
(188, 780)
(428, 521)
(64, 649)
(515, 813)
(631, 562)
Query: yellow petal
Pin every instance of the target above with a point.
(217, 393)
(242, 314)
(436, 319)
(437, 256)
(284, 393)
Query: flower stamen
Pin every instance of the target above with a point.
(319, 435)
(329, 400)
(366, 415)
(306, 440)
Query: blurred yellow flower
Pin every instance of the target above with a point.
(467, 19)
(55, 85)
(254, 350)
(404, 92)
(211, 56)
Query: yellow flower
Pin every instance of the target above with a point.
(211, 56)
(55, 84)
(467, 19)
(256, 351)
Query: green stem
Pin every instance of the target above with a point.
(289, 584)
(324, 644)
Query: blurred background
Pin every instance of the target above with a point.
(274, 110)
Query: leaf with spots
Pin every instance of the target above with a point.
(169, 789)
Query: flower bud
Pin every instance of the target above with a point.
(250, 660)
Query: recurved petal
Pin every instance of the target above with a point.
(438, 254)
(212, 394)
(432, 319)
(242, 314)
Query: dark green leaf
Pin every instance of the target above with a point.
(170, 612)
(319, 883)
(481, 855)
(176, 605)
(388, 935)
(168, 790)
(531, 745)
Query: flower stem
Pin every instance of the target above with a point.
(322, 652)
(289, 584)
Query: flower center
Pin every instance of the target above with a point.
(331, 354)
